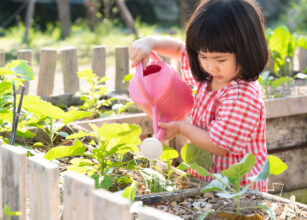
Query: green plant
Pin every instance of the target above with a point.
(168, 154)
(270, 84)
(282, 45)
(228, 181)
(8, 213)
(92, 97)
(112, 141)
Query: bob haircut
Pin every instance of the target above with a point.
(228, 26)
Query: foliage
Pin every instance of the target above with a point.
(92, 97)
(282, 45)
(8, 213)
(270, 84)
(229, 180)
(168, 154)
(112, 141)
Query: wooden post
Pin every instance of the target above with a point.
(69, 62)
(14, 171)
(44, 193)
(148, 213)
(122, 68)
(99, 60)
(2, 59)
(46, 72)
(64, 17)
(78, 197)
(114, 206)
(302, 59)
(27, 56)
(29, 17)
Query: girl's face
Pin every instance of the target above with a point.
(221, 66)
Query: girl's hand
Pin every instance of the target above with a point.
(172, 129)
(140, 51)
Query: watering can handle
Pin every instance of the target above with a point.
(140, 81)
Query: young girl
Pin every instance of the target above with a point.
(224, 54)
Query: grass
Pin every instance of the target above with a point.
(106, 33)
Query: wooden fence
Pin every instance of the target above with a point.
(31, 185)
(69, 67)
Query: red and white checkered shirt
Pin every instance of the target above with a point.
(235, 119)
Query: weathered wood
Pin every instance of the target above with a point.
(2, 59)
(70, 68)
(285, 106)
(43, 190)
(78, 197)
(140, 119)
(27, 56)
(122, 68)
(14, 170)
(29, 17)
(99, 60)
(64, 17)
(114, 207)
(302, 59)
(148, 213)
(46, 72)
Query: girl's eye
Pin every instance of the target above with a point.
(221, 61)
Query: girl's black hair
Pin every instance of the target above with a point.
(228, 26)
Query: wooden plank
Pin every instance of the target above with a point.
(2, 59)
(285, 106)
(70, 68)
(99, 60)
(44, 193)
(122, 68)
(114, 207)
(14, 171)
(148, 213)
(140, 119)
(77, 197)
(26, 55)
(46, 72)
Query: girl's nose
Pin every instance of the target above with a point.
(210, 66)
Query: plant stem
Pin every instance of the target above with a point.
(228, 187)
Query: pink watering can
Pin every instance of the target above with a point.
(159, 91)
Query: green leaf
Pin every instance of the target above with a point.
(228, 195)
(77, 149)
(128, 77)
(278, 82)
(277, 166)
(73, 115)
(21, 68)
(267, 210)
(104, 182)
(36, 105)
(191, 153)
(302, 42)
(82, 166)
(200, 170)
(7, 211)
(130, 191)
(216, 185)
(168, 153)
(263, 174)
(80, 134)
(183, 166)
(238, 170)
(5, 87)
(205, 215)
(279, 41)
(156, 182)
(88, 75)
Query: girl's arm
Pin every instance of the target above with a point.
(197, 136)
(166, 46)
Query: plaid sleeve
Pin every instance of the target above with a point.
(235, 122)
(186, 71)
